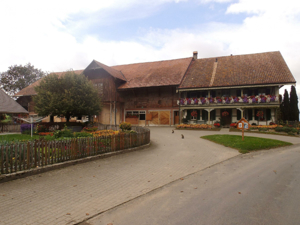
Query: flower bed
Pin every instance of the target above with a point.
(193, 126)
(265, 126)
(45, 133)
(100, 133)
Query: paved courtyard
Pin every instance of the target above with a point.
(73, 194)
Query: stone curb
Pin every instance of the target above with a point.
(25, 173)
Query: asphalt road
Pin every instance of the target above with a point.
(258, 188)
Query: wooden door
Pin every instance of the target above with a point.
(176, 117)
(164, 117)
(155, 120)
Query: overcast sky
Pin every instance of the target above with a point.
(58, 35)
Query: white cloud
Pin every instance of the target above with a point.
(38, 32)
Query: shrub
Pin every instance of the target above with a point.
(272, 123)
(262, 129)
(26, 127)
(233, 125)
(42, 128)
(125, 126)
(90, 129)
(82, 134)
(217, 124)
(63, 133)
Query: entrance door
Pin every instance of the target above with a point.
(226, 120)
(176, 117)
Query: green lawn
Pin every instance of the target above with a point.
(20, 137)
(249, 143)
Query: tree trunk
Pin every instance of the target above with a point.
(51, 119)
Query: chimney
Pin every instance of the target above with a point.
(195, 55)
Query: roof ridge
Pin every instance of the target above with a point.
(151, 62)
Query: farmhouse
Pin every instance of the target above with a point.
(189, 90)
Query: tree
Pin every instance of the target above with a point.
(294, 110)
(19, 77)
(70, 95)
(286, 106)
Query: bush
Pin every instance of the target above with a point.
(125, 126)
(286, 130)
(26, 127)
(42, 128)
(90, 129)
(63, 133)
(82, 134)
(262, 129)
(253, 124)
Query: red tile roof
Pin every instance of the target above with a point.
(29, 90)
(150, 74)
(252, 69)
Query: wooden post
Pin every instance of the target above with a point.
(243, 131)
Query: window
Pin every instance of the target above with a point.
(142, 115)
(99, 87)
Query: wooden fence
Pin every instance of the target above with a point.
(23, 156)
(10, 127)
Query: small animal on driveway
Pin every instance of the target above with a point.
(182, 136)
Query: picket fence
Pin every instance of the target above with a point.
(24, 156)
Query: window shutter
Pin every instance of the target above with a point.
(256, 118)
(268, 114)
(204, 115)
(188, 116)
(213, 115)
(198, 114)
(238, 114)
(249, 114)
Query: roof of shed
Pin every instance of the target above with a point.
(238, 70)
(8, 105)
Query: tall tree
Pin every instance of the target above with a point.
(286, 106)
(18, 77)
(70, 95)
(294, 110)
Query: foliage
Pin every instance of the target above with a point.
(63, 133)
(99, 133)
(90, 129)
(217, 124)
(82, 134)
(285, 106)
(194, 126)
(294, 110)
(286, 129)
(69, 95)
(18, 77)
(260, 114)
(249, 143)
(225, 113)
(129, 132)
(233, 124)
(45, 133)
(26, 127)
(42, 128)
(194, 114)
(125, 126)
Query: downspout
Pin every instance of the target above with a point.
(179, 106)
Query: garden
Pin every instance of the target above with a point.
(22, 152)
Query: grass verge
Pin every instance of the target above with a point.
(249, 143)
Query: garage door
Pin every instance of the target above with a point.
(159, 118)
